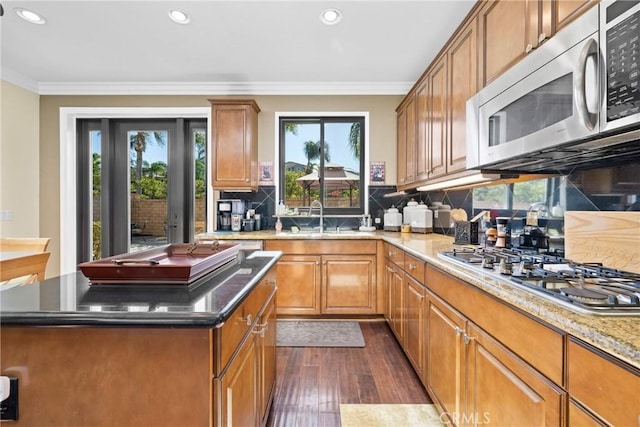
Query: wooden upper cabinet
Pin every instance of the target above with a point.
(568, 10)
(234, 137)
(438, 100)
(401, 147)
(406, 150)
(422, 130)
(509, 30)
(463, 84)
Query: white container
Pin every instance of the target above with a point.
(392, 219)
(422, 219)
(409, 212)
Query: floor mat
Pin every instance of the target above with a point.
(389, 416)
(314, 333)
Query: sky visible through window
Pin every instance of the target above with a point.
(336, 136)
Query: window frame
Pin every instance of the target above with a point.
(323, 117)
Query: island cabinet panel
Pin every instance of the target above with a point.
(228, 337)
(415, 323)
(234, 137)
(509, 326)
(326, 277)
(84, 376)
(606, 388)
(267, 336)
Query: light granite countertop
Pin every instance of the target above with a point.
(616, 335)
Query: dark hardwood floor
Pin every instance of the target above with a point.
(312, 382)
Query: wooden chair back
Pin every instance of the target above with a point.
(33, 266)
(24, 244)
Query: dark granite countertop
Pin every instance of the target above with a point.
(71, 300)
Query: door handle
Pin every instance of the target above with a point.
(590, 119)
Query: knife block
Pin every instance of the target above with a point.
(465, 233)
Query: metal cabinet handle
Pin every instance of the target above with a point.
(529, 48)
(258, 331)
(542, 37)
(468, 339)
(249, 319)
(271, 281)
(459, 331)
(412, 267)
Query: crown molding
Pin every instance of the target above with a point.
(226, 88)
(18, 79)
(205, 88)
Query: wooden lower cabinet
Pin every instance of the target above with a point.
(335, 277)
(299, 284)
(395, 282)
(238, 387)
(602, 389)
(349, 284)
(476, 380)
(414, 316)
(444, 373)
(243, 391)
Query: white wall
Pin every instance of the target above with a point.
(19, 161)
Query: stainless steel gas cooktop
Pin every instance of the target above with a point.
(586, 288)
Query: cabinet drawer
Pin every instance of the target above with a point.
(415, 267)
(230, 334)
(608, 388)
(394, 254)
(313, 247)
(509, 326)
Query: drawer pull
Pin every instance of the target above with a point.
(271, 281)
(459, 331)
(258, 331)
(412, 267)
(468, 339)
(249, 319)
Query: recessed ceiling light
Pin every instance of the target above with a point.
(179, 16)
(30, 16)
(330, 16)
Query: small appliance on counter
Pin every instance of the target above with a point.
(227, 212)
(392, 219)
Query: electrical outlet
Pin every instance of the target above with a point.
(9, 406)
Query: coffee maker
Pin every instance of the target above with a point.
(226, 208)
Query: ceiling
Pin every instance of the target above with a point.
(229, 47)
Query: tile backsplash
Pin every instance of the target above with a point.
(605, 189)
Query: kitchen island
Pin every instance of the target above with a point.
(197, 354)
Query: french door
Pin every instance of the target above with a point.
(141, 183)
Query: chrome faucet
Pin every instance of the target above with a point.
(317, 205)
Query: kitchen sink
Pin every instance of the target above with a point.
(317, 234)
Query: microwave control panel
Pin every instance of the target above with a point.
(623, 68)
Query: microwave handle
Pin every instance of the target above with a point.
(590, 119)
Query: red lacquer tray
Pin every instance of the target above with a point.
(177, 264)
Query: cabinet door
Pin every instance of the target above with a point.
(401, 153)
(389, 272)
(238, 388)
(267, 335)
(414, 304)
(422, 131)
(605, 386)
(504, 390)
(234, 137)
(411, 141)
(299, 284)
(349, 284)
(438, 98)
(568, 10)
(463, 78)
(396, 302)
(507, 27)
(443, 372)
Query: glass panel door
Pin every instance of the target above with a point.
(148, 180)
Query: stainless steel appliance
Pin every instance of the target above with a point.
(573, 101)
(587, 288)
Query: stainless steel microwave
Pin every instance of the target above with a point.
(575, 101)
